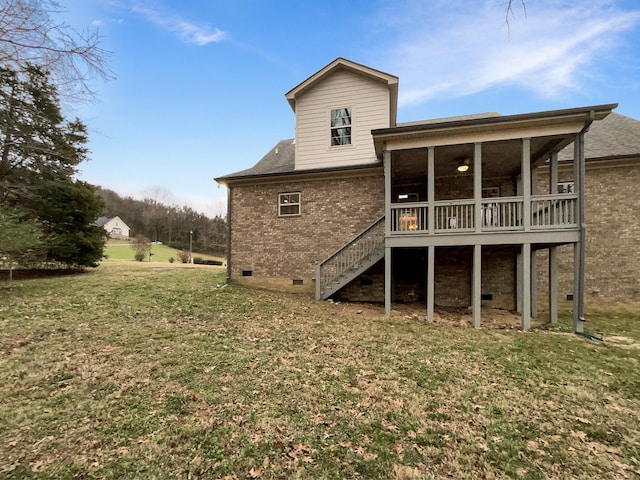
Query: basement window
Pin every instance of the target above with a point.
(247, 273)
(288, 204)
(298, 282)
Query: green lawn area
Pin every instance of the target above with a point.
(145, 371)
(121, 250)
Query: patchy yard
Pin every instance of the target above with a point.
(131, 372)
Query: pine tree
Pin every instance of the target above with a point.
(39, 155)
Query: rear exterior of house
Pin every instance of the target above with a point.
(454, 212)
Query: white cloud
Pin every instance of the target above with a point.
(195, 33)
(445, 49)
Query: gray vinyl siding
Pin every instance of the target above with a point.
(369, 101)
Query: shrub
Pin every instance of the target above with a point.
(198, 260)
(212, 262)
(171, 259)
(141, 245)
(184, 255)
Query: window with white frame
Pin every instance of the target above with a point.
(566, 187)
(288, 204)
(340, 126)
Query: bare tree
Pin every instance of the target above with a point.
(32, 33)
(509, 11)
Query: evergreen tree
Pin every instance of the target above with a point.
(39, 155)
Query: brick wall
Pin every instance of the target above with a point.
(286, 248)
(612, 270)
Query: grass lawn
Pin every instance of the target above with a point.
(136, 371)
(121, 250)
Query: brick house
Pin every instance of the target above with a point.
(451, 212)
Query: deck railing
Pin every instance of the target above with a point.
(454, 215)
(504, 213)
(548, 212)
(557, 211)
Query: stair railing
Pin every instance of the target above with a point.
(349, 256)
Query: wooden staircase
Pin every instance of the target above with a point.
(353, 259)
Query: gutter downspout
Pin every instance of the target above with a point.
(580, 319)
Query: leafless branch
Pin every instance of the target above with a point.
(32, 34)
(509, 12)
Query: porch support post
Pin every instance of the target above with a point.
(387, 280)
(519, 286)
(553, 251)
(526, 183)
(579, 253)
(477, 184)
(577, 269)
(553, 174)
(386, 157)
(476, 285)
(431, 260)
(534, 284)
(526, 283)
(553, 285)
(534, 257)
(431, 193)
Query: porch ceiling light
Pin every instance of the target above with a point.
(464, 164)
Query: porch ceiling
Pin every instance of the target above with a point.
(499, 159)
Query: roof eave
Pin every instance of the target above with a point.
(391, 80)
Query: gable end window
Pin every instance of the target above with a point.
(288, 204)
(341, 126)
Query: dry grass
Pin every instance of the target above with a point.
(144, 373)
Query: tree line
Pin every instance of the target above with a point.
(169, 224)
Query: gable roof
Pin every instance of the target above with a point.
(614, 136)
(100, 222)
(340, 63)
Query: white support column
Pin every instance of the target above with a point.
(477, 184)
(431, 193)
(431, 267)
(553, 285)
(476, 285)
(526, 283)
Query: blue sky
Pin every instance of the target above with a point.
(200, 84)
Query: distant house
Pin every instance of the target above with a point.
(478, 210)
(115, 227)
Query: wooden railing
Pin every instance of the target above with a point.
(350, 257)
(454, 216)
(409, 219)
(548, 212)
(504, 213)
(559, 211)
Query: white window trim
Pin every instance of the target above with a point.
(282, 204)
(329, 129)
(563, 187)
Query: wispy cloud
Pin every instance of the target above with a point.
(440, 50)
(189, 31)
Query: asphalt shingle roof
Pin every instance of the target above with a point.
(614, 136)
